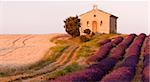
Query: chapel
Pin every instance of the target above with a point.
(98, 21)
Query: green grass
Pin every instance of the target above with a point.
(56, 51)
(70, 68)
(84, 51)
(60, 42)
(2, 74)
(50, 56)
(87, 48)
(96, 38)
(7, 72)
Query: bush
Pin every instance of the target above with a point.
(87, 31)
(83, 38)
(92, 34)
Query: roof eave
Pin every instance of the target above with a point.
(100, 11)
(114, 16)
(85, 13)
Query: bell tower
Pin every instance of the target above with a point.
(94, 6)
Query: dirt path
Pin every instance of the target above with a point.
(61, 63)
(22, 50)
(63, 59)
(29, 45)
(139, 64)
(74, 56)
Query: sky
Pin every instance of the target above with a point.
(40, 17)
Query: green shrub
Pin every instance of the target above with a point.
(93, 34)
(83, 38)
(87, 31)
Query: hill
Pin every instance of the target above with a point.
(56, 56)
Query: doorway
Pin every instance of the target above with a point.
(94, 26)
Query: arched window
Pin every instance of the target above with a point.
(101, 22)
(88, 24)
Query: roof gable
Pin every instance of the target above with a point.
(99, 11)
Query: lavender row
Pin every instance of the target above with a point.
(126, 70)
(93, 73)
(119, 50)
(96, 71)
(146, 52)
(104, 41)
(133, 52)
(146, 64)
(104, 50)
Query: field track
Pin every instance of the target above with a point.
(22, 50)
(64, 59)
(27, 41)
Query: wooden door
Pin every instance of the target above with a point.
(94, 26)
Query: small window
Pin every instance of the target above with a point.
(88, 24)
(101, 23)
(94, 15)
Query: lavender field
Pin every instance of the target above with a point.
(115, 61)
(104, 58)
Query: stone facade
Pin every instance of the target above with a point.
(98, 21)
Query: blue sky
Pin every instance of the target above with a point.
(36, 17)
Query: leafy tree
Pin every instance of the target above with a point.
(87, 31)
(72, 25)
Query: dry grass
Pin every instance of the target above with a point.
(18, 51)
